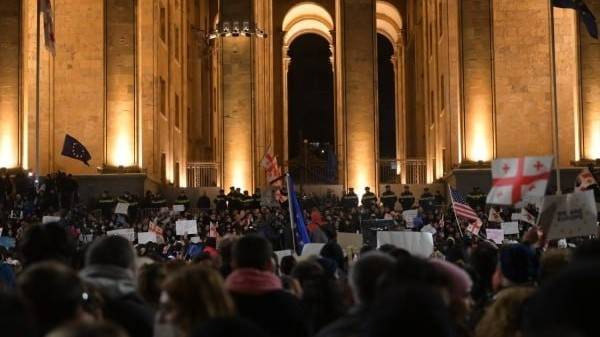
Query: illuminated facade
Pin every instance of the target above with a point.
(147, 86)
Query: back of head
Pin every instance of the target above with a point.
(365, 274)
(412, 271)
(47, 242)
(96, 329)
(503, 317)
(516, 263)
(409, 311)
(252, 251)
(52, 292)
(552, 262)
(14, 318)
(564, 305)
(112, 251)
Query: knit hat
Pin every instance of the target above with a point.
(516, 263)
(459, 281)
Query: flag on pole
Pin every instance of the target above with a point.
(72, 148)
(494, 216)
(584, 12)
(475, 226)
(49, 40)
(296, 215)
(461, 208)
(527, 216)
(584, 180)
(272, 169)
(516, 178)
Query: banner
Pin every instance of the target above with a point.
(178, 208)
(569, 215)
(183, 227)
(416, 243)
(127, 233)
(46, 219)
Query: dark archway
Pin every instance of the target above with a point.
(310, 94)
(386, 98)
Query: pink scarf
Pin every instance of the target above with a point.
(252, 282)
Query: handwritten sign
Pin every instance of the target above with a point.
(569, 215)
(496, 235)
(178, 208)
(145, 237)
(416, 243)
(409, 217)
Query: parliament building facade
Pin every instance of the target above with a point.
(194, 92)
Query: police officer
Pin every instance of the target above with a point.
(106, 204)
(439, 199)
(350, 199)
(158, 201)
(330, 200)
(232, 198)
(182, 199)
(407, 199)
(256, 197)
(388, 198)
(246, 201)
(427, 200)
(221, 201)
(476, 199)
(203, 202)
(369, 198)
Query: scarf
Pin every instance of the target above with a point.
(252, 282)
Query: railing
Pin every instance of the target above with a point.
(201, 174)
(314, 172)
(407, 171)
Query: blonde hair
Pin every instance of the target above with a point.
(197, 294)
(501, 319)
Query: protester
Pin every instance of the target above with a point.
(503, 317)
(98, 329)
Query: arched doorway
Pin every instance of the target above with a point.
(386, 87)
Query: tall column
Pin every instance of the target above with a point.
(10, 52)
(238, 159)
(359, 50)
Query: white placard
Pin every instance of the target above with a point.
(496, 235)
(145, 237)
(46, 219)
(283, 253)
(515, 216)
(429, 229)
(416, 243)
(510, 228)
(409, 217)
(569, 215)
(311, 249)
(127, 233)
(164, 210)
(122, 208)
(178, 208)
(195, 239)
(183, 227)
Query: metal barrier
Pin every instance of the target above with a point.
(407, 171)
(202, 174)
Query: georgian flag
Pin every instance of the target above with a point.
(516, 178)
(272, 169)
(584, 180)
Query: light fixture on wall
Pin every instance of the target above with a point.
(234, 29)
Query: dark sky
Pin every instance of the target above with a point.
(310, 90)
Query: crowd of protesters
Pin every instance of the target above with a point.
(68, 278)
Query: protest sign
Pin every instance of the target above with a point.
(569, 215)
(311, 249)
(86, 238)
(46, 219)
(515, 216)
(416, 243)
(122, 208)
(145, 237)
(409, 216)
(195, 239)
(127, 233)
(178, 208)
(183, 227)
(496, 235)
(510, 228)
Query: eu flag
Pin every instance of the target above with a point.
(72, 148)
(586, 15)
(296, 215)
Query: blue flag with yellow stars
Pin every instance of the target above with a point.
(585, 14)
(72, 148)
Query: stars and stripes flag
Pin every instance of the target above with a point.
(584, 180)
(269, 163)
(460, 206)
(49, 39)
(516, 178)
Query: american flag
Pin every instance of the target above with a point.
(460, 206)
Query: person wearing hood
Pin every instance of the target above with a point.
(109, 266)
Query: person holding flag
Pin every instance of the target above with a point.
(463, 211)
(297, 222)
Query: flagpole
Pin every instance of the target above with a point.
(455, 216)
(37, 96)
(290, 209)
(554, 105)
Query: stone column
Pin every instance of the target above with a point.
(359, 48)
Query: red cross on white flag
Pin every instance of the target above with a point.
(516, 178)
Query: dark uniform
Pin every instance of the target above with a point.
(106, 204)
(233, 200)
(439, 199)
(246, 201)
(407, 199)
(183, 199)
(427, 200)
(256, 197)
(203, 202)
(476, 199)
(158, 201)
(369, 198)
(221, 201)
(350, 199)
(330, 200)
(388, 198)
